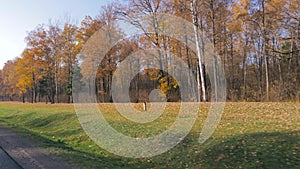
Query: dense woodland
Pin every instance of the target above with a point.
(257, 40)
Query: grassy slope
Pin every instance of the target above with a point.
(250, 135)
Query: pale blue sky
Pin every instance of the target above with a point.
(20, 16)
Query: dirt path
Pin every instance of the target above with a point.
(17, 153)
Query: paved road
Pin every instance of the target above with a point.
(6, 162)
(17, 152)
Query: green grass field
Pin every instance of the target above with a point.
(250, 135)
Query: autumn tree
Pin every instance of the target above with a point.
(10, 91)
(257, 41)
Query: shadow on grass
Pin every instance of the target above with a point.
(75, 157)
(256, 150)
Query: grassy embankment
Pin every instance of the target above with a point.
(250, 135)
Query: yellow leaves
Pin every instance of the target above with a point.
(24, 73)
(164, 84)
(240, 9)
(27, 70)
(275, 5)
(235, 26)
(9, 77)
(240, 14)
(245, 4)
(24, 83)
(153, 74)
(88, 27)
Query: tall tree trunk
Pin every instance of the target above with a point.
(265, 56)
(231, 68)
(197, 38)
(213, 17)
(266, 73)
(280, 80)
(245, 70)
(23, 98)
(56, 81)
